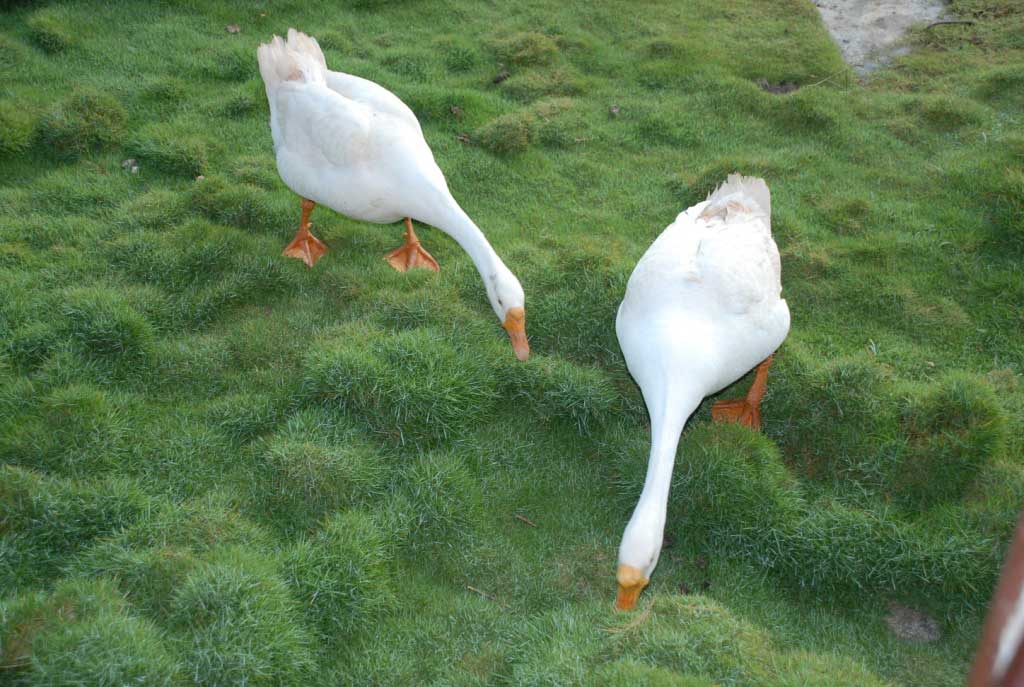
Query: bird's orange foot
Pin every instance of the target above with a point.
(737, 410)
(305, 247)
(746, 411)
(411, 254)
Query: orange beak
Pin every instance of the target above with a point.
(626, 599)
(631, 583)
(515, 325)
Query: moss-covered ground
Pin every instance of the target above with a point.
(220, 468)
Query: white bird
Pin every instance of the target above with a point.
(702, 307)
(352, 145)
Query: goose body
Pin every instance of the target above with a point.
(350, 144)
(702, 307)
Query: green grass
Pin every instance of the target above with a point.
(219, 467)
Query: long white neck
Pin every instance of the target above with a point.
(452, 220)
(668, 416)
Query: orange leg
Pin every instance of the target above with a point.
(746, 411)
(305, 246)
(411, 254)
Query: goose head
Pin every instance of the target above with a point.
(508, 301)
(638, 556)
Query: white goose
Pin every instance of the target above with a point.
(349, 144)
(702, 307)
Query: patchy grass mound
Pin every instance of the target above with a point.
(342, 575)
(240, 624)
(81, 634)
(411, 387)
(86, 120)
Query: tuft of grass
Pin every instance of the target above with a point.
(30, 345)
(256, 170)
(166, 93)
(1002, 190)
(410, 387)
(807, 669)
(12, 53)
(51, 28)
(837, 421)
(147, 576)
(442, 502)
(240, 624)
(946, 115)
(341, 576)
(244, 417)
(104, 325)
(529, 86)
(81, 634)
(299, 481)
(241, 205)
(86, 433)
(507, 134)
(1002, 86)
(246, 100)
(805, 113)
(695, 634)
(47, 519)
(226, 61)
(555, 389)
(955, 428)
(17, 127)
(458, 54)
(84, 121)
(155, 209)
(171, 151)
(849, 216)
(526, 49)
(560, 124)
(626, 673)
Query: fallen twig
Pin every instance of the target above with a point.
(941, 23)
(485, 595)
(632, 624)
(14, 666)
(523, 518)
(827, 78)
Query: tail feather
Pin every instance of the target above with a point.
(306, 45)
(742, 190)
(298, 59)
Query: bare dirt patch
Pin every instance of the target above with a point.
(869, 31)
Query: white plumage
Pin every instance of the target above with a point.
(702, 308)
(352, 145)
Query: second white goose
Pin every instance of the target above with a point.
(702, 307)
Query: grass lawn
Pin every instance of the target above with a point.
(220, 468)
